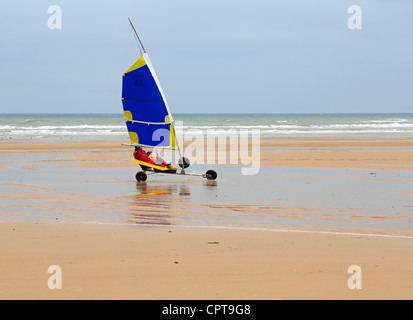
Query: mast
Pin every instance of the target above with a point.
(179, 148)
(136, 35)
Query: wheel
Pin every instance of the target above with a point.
(141, 176)
(184, 162)
(211, 175)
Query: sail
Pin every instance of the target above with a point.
(147, 114)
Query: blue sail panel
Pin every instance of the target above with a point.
(140, 88)
(142, 71)
(149, 135)
(145, 111)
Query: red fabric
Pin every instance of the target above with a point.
(143, 156)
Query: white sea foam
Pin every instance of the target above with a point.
(65, 133)
(71, 127)
(388, 120)
(113, 126)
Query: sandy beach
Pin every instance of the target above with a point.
(129, 262)
(325, 204)
(371, 154)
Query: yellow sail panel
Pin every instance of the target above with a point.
(138, 64)
(134, 138)
(128, 116)
(173, 138)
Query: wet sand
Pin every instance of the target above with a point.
(371, 154)
(226, 242)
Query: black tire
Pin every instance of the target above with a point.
(184, 162)
(211, 175)
(141, 176)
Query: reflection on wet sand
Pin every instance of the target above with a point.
(211, 184)
(184, 190)
(143, 189)
(157, 204)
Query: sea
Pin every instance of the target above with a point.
(111, 127)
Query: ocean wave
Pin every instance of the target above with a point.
(311, 132)
(80, 127)
(388, 121)
(85, 126)
(219, 130)
(304, 127)
(366, 126)
(64, 133)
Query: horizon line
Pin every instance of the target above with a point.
(209, 113)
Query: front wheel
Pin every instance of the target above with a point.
(211, 175)
(141, 176)
(184, 162)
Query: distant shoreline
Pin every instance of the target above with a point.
(213, 113)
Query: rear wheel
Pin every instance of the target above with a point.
(211, 175)
(141, 176)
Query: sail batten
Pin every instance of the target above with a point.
(149, 123)
(142, 100)
(147, 114)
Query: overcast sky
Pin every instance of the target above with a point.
(210, 56)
